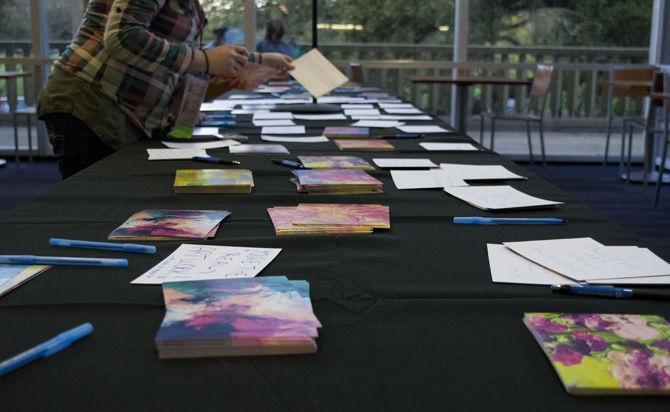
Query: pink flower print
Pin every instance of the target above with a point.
(636, 370)
(594, 342)
(543, 324)
(632, 327)
(566, 355)
(662, 344)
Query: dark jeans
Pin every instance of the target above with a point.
(75, 145)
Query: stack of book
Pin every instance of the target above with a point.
(326, 218)
(268, 315)
(336, 181)
(213, 181)
(170, 224)
(335, 162)
(365, 145)
(346, 132)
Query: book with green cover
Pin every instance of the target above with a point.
(606, 354)
(213, 181)
(335, 162)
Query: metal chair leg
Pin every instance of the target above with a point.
(493, 131)
(623, 143)
(30, 138)
(630, 149)
(607, 138)
(16, 142)
(481, 129)
(659, 182)
(541, 127)
(530, 144)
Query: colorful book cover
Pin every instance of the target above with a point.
(345, 132)
(213, 181)
(283, 217)
(335, 177)
(330, 214)
(371, 145)
(258, 149)
(12, 276)
(605, 354)
(335, 162)
(170, 224)
(238, 317)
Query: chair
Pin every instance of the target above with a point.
(534, 111)
(625, 74)
(28, 112)
(664, 151)
(356, 73)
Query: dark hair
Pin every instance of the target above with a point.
(274, 30)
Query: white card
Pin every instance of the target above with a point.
(390, 110)
(273, 122)
(334, 116)
(340, 99)
(357, 106)
(289, 139)
(317, 75)
(273, 116)
(361, 112)
(258, 149)
(201, 145)
(584, 259)
(424, 179)
(250, 111)
(404, 163)
(206, 131)
(509, 267)
(424, 129)
(479, 172)
(283, 130)
(498, 197)
(200, 262)
(377, 123)
(218, 106)
(437, 147)
(386, 105)
(174, 154)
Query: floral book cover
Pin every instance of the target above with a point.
(213, 177)
(335, 162)
(335, 177)
(373, 145)
(314, 214)
(170, 224)
(606, 354)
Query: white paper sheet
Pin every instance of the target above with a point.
(289, 139)
(267, 149)
(387, 105)
(497, 197)
(250, 111)
(273, 116)
(206, 131)
(424, 129)
(390, 110)
(334, 116)
(218, 106)
(317, 75)
(200, 262)
(201, 145)
(584, 259)
(404, 163)
(436, 147)
(340, 100)
(361, 112)
(377, 123)
(424, 179)
(175, 154)
(509, 267)
(357, 106)
(479, 172)
(283, 130)
(422, 117)
(272, 89)
(274, 122)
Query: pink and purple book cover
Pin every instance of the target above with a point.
(228, 309)
(357, 144)
(334, 177)
(314, 214)
(169, 224)
(335, 162)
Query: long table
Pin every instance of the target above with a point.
(411, 319)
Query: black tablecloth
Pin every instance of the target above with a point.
(411, 318)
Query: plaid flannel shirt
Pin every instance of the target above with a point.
(135, 51)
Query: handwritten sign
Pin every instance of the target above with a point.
(199, 262)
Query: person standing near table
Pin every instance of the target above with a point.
(273, 41)
(114, 84)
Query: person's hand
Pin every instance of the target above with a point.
(279, 62)
(226, 60)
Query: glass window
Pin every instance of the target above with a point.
(284, 26)
(225, 22)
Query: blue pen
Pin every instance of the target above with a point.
(213, 123)
(120, 247)
(288, 163)
(478, 220)
(212, 159)
(221, 115)
(611, 291)
(57, 260)
(45, 349)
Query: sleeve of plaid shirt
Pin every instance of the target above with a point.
(127, 38)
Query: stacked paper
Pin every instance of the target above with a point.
(213, 181)
(170, 224)
(335, 162)
(237, 317)
(498, 198)
(321, 218)
(336, 181)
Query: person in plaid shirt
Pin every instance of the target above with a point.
(115, 82)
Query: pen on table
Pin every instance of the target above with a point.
(58, 260)
(221, 116)
(288, 163)
(479, 220)
(120, 247)
(210, 159)
(611, 292)
(45, 349)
